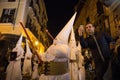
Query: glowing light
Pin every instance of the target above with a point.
(36, 43)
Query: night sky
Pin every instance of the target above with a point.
(59, 12)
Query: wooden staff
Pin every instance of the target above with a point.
(49, 34)
(33, 48)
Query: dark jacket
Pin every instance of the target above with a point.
(103, 40)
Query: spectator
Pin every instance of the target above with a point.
(98, 43)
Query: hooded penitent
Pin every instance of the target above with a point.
(14, 67)
(72, 44)
(59, 51)
(80, 62)
(19, 45)
(73, 61)
(27, 66)
(61, 39)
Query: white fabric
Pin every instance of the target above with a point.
(57, 77)
(14, 67)
(35, 74)
(58, 50)
(73, 71)
(27, 65)
(72, 44)
(73, 65)
(59, 53)
(80, 62)
(82, 73)
(62, 37)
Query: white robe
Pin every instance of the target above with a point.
(27, 67)
(14, 67)
(56, 53)
(73, 65)
(35, 74)
(80, 58)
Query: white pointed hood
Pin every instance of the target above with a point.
(79, 46)
(19, 42)
(18, 47)
(79, 55)
(27, 65)
(28, 51)
(62, 37)
(72, 41)
(60, 47)
(72, 44)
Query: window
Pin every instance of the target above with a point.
(8, 15)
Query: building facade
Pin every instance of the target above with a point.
(104, 13)
(32, 14)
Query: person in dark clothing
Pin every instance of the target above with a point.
(99, 44)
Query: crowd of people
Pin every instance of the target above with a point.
(97, 53)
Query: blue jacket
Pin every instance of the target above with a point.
(103, 40)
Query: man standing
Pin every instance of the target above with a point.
(98, 43)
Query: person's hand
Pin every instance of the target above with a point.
(81, 30)
(80, 33)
